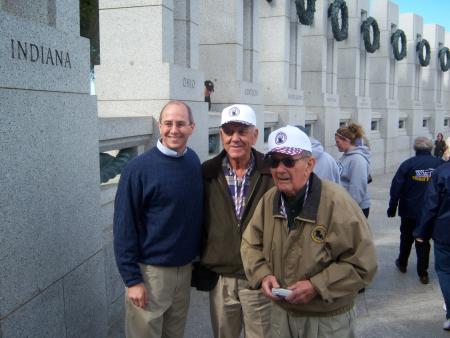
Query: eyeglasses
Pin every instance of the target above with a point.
(288, 162)
(178, 124)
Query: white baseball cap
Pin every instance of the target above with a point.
(289, 140)
(240, 113)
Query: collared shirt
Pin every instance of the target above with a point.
(291, 213)
(169, 152)
(238, 186)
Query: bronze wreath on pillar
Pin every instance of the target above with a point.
(340, 32)
(305, 15)
(397, 36)
(371, 47)
(444, 58)
(419, 49)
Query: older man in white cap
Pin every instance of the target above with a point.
(308, 245)
(234, 182)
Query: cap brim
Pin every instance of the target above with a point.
(286, 151)
(238, 121)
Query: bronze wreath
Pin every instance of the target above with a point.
(305, 15)
(395, 37)
(371, 47)
(444, 58)
(419, 49)
(341, 33)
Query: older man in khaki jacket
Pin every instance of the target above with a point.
(308, 245)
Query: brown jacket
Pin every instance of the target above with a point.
(330, 244)
(222, 231)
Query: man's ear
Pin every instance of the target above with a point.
(311, 163)
(255, 135)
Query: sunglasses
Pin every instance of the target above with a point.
(288, 162)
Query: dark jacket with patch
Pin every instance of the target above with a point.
(222, 232)
(435, 216)
(330, 244)
(410, 182)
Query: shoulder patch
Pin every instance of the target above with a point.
(319, 233)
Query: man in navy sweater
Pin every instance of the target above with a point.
(407, 190)
(157, 228)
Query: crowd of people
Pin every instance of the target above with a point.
(280, 240)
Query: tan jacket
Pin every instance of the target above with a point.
(330, 244)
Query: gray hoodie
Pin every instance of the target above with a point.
(326, 167)
(354, 171)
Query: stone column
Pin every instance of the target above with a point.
(280, 61)
(432, 80)
(51, 257)
(229, 55)
(319, 75)
(383, 89)
(409, 80)
(353, 67)
(149, 55)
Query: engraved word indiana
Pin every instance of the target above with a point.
(30, 52)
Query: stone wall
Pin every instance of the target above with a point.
(58, 272)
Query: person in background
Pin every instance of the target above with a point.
(354, 164)
(407, 190)
(234, 181)
(434, 222)
(157, 228)
(439, 145)
(326, 167)
(446, 156)
(308, 236)
(209, 88)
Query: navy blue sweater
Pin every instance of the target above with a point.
(157, 213)
(410, 182)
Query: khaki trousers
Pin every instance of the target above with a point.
(285, 325)
(168, 292)
(234, 306)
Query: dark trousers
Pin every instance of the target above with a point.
(442, 265)
(366, 212)
(407, 226)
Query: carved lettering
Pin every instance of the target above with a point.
(34, 52)
(251, 92)
(58, 57)
(20, 49)
(67, 61)
(188, 83)
(294, 97)
(31, 52)
(49, 56)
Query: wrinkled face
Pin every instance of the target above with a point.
(238, 139)
(290, 180)
(342, 144)
(175, 127)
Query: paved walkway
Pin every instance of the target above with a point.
(395, 305)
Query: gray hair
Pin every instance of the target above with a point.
(423, 143)
(306, 154)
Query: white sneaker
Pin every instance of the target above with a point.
(446, 325)
(444, 307)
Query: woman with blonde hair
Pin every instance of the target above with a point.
(354, 164)
(446, 156)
